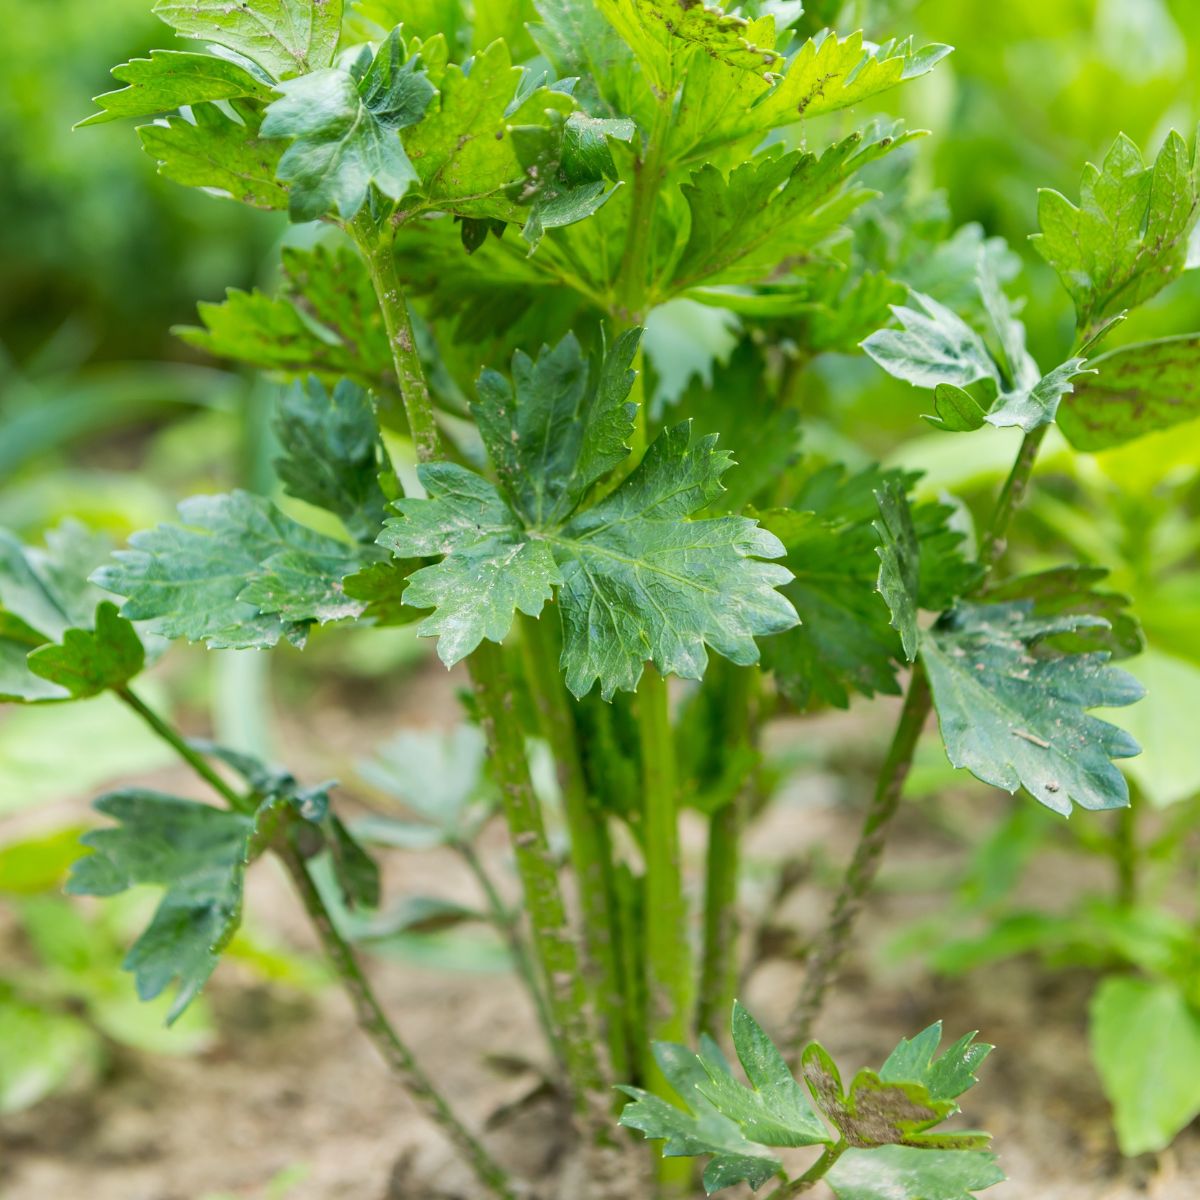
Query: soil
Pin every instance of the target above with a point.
(292, 1084)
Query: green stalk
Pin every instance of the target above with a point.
(812, 1176)
(507, 921)
(1127, 852)
(719, 966)
(665, 946)
(591, 848)
(371, 1017)
(552, 940)
(834, 939)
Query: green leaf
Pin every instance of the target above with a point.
(196, 853)
(1146, 1043)
(237, 573)
(491, 568)
(1128, 237)
(44, 597)
(380, 589)
(955, 410)
(1013, 711)
(559, 426)
(1138, 389)
(905, 1173)
(719, 34)
(44, 1050)
(773, 208)
(344, 126)
(637, 579)
(333, 456)
(356, 871)
(284, 37)
(214, 151)
(464, 150)
(946, 1076)
(91, 661)
(169, 79)
(899, 563)
(326, 322)
(721, 105)
(774, 1110)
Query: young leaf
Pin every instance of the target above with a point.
(284, 37)
(91, 661)
(1146, 1042)
(333, 456)
(237, 573)
(198, 855)
(719, 34)
(906, 1173)
(344, 126)
(169, 79)
(946, 1076)
(1014, 712)
(1128, 237)
(1138, 389)
(214, 151)
(899, 554)
(326, 322)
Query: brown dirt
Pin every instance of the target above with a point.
(291, 1082)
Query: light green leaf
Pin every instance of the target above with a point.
(91, 661)
(345, 125)
(237, 573)
(325, 322)
(333, 456)
(464, 151)
(1146, 1043)
(1014, 712)
(955, 410)
(198, 855)
(1028, 410)
(1128, 237)
(719, 34)
(43, 1051)
(169, 79)
(773, 208)
(947, 1075)
(899, 579)
(284, 37)
(905, 1173)
(1138, 389)
(492, 566)
(216, 152)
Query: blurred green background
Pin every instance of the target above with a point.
(106, 417)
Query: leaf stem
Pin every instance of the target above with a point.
(507, 921)
(591, 849)
(812, 1176)
(719, 965)
(552, 937)
(191, 756)
(834, 940)
(1127, 851)
(378, 1028)
(665, 947)
(371, 1018)
(378, 252)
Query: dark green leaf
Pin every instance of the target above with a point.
(236, 573)
(333, 456)
(899, 563)
(284, 37)
(1014, 712)
(356, 871)
(198, 855)
(345, 125)
(90, 661)
(380, 588)
(1138, 389)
